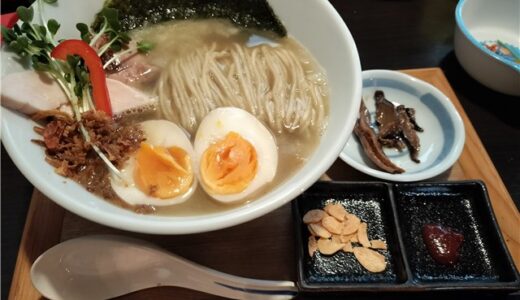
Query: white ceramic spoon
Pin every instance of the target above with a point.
(107, 266)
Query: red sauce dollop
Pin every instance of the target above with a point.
(443, 243)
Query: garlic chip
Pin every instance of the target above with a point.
(333, 229)
(336, 210)
(328, 246)
(362, 235)
(378, 244)
(347, 238)
(371, 260)
(332, 225)
(320, 231)
(314, 216)
(348, 248)
(351, 225)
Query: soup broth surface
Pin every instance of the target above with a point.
(178, 38)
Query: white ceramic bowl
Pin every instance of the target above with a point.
(441, 142)
(485, 20)
(314, 23)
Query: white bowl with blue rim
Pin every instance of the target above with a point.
(441, 142)
(316, 24)
(481, 22)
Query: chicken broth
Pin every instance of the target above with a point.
(181, 38)
(211, 63)
(178, 39)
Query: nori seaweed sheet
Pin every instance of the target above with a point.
(254, 14)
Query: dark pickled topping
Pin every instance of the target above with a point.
(386, 116)
(411, 115)
(443, 243)
(370, 144)
(397, 126)
(408, 133)
(252, 14)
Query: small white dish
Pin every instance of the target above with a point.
(441, 142)
(480, 21)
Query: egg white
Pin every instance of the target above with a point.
(217, 124)
(157, 133)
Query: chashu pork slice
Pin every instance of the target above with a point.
(134, 71)
(30, 92)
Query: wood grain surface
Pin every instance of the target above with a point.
(42, 231)
(262, 248)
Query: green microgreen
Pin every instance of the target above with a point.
(36, 42)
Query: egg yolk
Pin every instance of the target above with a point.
(163, 172)
(229, 165)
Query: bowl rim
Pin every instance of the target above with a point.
(196, 224)
(449, 160)
(462, 26)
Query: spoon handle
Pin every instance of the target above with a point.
(234, 287)
(210, 281)
(184, 273)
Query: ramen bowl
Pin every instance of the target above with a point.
(315, 24)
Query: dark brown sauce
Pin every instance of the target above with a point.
(443, 243)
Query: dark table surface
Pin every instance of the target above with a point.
(390, 34)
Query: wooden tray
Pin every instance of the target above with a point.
(262, 248)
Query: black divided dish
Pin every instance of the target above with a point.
(370, 205)
(396, 213)
(465, 208)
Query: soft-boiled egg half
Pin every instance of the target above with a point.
(236, 154)
(162, 171)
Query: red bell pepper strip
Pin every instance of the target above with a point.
(94, 66)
